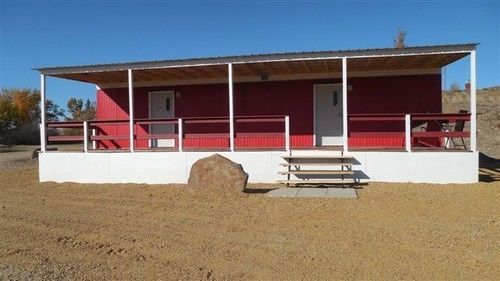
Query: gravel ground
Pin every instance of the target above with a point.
(16, 157)
(71, 231)
(393, 231)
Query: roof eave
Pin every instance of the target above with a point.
(418, 50)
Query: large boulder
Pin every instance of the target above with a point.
(217, 172)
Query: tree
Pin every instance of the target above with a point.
(26, 104)
(52, 111)
(7, 113)
(80, 110)
(20, 115)
(400, 39)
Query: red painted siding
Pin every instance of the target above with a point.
(294, 98)
(112, 105)
(400, 94)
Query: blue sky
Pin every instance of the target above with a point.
(53, 33)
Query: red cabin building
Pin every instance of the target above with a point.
(362, 104)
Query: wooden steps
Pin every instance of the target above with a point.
(336, 169)
(318, 181)
(315, 164)
(318, 157)
(317, 172)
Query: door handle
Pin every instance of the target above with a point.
(335, 98)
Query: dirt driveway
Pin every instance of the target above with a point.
(71, 231)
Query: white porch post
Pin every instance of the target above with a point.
(344, 104)
(231, 106)
(85, 136)
(287, 133)
(131, 108)
(43, 136)
(473, 113)
(180, 133)
(94, 143)
(408, 132)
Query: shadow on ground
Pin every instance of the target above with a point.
(489, 168)
(258, 190)
(261, 190)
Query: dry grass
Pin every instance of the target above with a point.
(488, 120)
(394, 231)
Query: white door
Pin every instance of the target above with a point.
(161, 105)
(328, 110)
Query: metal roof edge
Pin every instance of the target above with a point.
(253, 58)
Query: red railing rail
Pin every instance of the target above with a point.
(260, 119)
(94, 130)
(441, 116)
(280, 135)
(414, 129)
(147, 135)
(66, 125)
(98, 135)
(380, 131)
(377, 117)
(441, 125)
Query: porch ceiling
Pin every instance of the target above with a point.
(266, 66)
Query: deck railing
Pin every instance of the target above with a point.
(391, 131)
(109, 133)
(378, 131)
(407, 131)
(282, 136)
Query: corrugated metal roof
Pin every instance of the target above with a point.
(238, 59)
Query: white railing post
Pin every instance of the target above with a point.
(85, 136)
(345, 132)
(473, 113)
(94, 143)
(231, 106)
(42, 139)
(408, 132)
(287, 133)
(180, 133)
(131, 109)
(43, 136)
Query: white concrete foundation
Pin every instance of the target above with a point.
(417, 167)
(262, 166)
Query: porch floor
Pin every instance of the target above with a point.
(207, 149)
(77, 148)
(413, 149)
